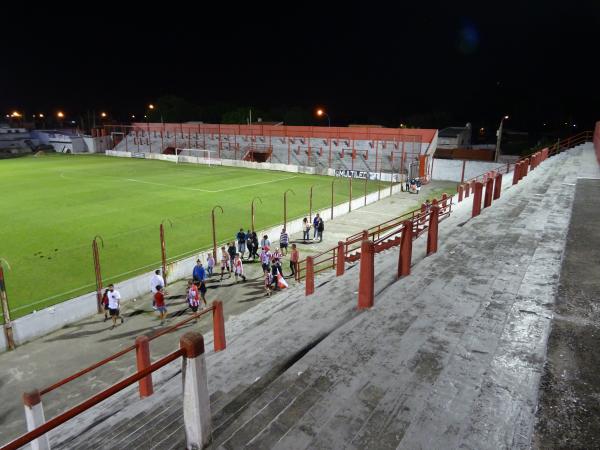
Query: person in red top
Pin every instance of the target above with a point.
(159, 302)
(193, 296)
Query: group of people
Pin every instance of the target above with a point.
(271, 263)
(413, 185)
(317, 225)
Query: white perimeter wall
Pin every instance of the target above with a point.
(451, 169)
(55, 317)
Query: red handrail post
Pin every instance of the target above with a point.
(142, 357)
(460, 193)
(309, 287)
(34, 416)
(467, 190)
(525, 168)
(341, 260)
(405, 255)
(516, 175)
(489, 191)
(497, 186)
(196, 400)
(218, 326)
(477, 191)
(432, 231)
(366, 282)
(444, 200)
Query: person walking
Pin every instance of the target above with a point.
(249, 245)
(156, 280)
(203, 290)
(284, 239)
(105, 304)
(316, 226)
(305, 229)
(294, 257)
(199, 273)
(193, 297)
(210, 264)
(224, 262)
(159, 301)
(241, 240)
(114, 304)
(321, 228)
(268, 283)
(238, 268)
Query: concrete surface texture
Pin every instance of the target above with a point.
(45, 360)
(449, 357)
(452, 169)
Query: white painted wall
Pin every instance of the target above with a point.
(451, 169)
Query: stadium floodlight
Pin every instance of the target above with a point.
(499, 137)
(16, 114)
(41, 115)
(103, 115)
(60, 115)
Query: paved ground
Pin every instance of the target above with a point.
(449, 357)
(569, 409)
(57, 355)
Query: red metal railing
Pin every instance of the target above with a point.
(90, 402)
(124, 351)
(385, 235)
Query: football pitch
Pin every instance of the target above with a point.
(54, 205)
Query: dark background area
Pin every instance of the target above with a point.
(423, 64)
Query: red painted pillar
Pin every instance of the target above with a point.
(525, 169)
(142, 356)
(467, 190)
(516, 175)
(432, 231)
(477, 191)
(405, 256)
(460, 193)
(423, 214)
(309, 286)
(366, 283)
(218, 326)
(497, 186)
(489, 191)
(462, 175)
(444, 200)
(341, 259)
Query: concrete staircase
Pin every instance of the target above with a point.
(449, 357)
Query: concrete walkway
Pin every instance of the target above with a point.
(449, 357)
(44, 361)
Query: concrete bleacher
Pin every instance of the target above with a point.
(448, 357)
(378, 152)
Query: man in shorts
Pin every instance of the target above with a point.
(114, 303)
(265, 259)
(224, 262)
(284, 239)
(241, 240)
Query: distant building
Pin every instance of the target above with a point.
(455, 137)
(15, 139)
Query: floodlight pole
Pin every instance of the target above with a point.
(163, 249)
(310, 197)
(8, 333)
(332, 183)
(97, 270)
(214, 234)
(252, 210)
(285, 206)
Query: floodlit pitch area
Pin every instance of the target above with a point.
(54, 205)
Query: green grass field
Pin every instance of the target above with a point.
(53, 206)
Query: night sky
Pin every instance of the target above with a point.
(426, 63)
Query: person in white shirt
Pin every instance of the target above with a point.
(114, 302)
(156, 281)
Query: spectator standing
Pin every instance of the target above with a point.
(210, 264)
(249, 244)
(203, 290)
(305, 229)
(294, 256)
(193, 297)
(284, 239)
(254, 245)
(265, 242)
(232, 252)
(159, 301)
(321, 228)
(156, 280)
(105, 304)
(268, 283)
(316, 226)
(265, 259)
(224, 262)
(199, 273)
(241, 241)
(238, 268)
(114, 304)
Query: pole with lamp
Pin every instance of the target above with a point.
(61, 117)
(151, 107)
(499, 138)
(321, 113)
(214, 233)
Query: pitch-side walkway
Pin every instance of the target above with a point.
(449, 357)
(59, 354)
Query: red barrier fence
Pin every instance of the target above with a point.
(596, 139)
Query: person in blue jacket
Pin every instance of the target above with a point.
(199, 273)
